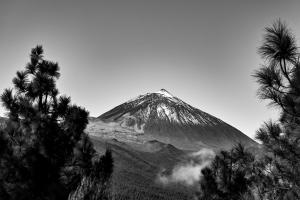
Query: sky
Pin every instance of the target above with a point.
(203, 52)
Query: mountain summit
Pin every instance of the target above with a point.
(165, 93)
(157, 107)
(163, 117)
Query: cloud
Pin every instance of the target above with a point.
(188, 172)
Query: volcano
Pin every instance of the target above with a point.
(150, 135)
(163, 117)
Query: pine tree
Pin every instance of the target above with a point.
(96, 185)
(229, 177)
(279, 80)
(276, 175)
(44, 151)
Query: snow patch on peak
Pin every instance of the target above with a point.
(164, 111)
(165, 93)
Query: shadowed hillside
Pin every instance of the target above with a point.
(135, 172)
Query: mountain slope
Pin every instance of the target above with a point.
(166, 118)
(136, 171)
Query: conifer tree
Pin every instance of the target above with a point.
(277, 175)
(279, 80)
(229, 177)
(44, 152)
(96, 185)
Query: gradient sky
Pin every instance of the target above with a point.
(203, 52)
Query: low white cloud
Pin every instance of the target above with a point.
(188, 172)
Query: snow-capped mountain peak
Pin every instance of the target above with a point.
(165, 93)
(158, 106)
(166, 118)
